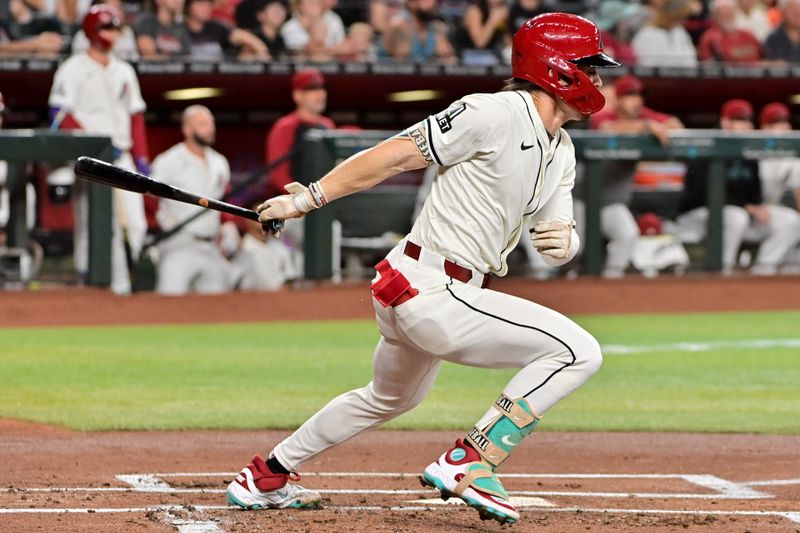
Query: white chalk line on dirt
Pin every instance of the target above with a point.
(722, 488)
(793, 516)
(772, 482)
(191, 526)
(391, 492)
(750, 344)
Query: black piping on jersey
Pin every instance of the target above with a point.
(558, 141)
(541, 152)
(501, 319)
(430, 141)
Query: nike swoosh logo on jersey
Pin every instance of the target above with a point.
(523, 146)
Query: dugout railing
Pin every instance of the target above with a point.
(21, 147)
(373, 212)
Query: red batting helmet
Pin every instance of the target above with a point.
(100, 17)
(553, 46)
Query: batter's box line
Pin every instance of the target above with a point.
(721, 488)
(793, 516)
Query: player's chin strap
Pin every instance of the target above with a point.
(504, 433)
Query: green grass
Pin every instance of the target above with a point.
(277, 374)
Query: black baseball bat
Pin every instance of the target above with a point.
(114, 176)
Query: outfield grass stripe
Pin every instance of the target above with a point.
(749, 344)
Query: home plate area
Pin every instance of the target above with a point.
(193, 502)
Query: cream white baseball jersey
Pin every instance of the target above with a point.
(191, 261)
(499, 171)
(102, 98)
(207, 177)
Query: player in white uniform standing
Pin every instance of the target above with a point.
(190, 260)
(506, 169)
(95, 92)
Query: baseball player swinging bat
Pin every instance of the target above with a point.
(98, 171)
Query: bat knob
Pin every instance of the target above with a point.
(276, 225)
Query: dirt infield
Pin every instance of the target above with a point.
(584, 295)
(58, 480)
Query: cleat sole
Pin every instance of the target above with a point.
(485, 513)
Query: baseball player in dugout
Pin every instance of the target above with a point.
(98, 93)
(311, 98)
(190, 260)
(506, 172)
(617, 223)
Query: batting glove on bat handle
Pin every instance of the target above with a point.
(293, 205)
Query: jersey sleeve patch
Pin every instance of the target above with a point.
(445, 119)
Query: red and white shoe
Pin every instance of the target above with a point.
(461, 472)
(257, 487)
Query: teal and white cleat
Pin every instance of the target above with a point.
(257, 487)
(461, 472)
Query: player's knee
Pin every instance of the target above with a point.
(735, 217)
(391, 403)
(589, 355)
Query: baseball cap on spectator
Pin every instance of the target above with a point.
(737, 109)
(309, 79)
(774, 112)
(629, 84)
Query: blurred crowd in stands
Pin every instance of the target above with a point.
(679, 33)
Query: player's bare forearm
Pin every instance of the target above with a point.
(370, 167)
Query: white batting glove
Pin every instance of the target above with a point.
(293, 205)
(552, 238)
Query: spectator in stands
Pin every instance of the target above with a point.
(310, 97)
(663, 41)
(617, 223)
(313, 31)
(784, 43)
(359, 45)
(270, 14)
(98, 93)
(214, 41)
(723, 41)
(745, 216)
(124, 47)
(190, 260)
(161, 35)
(752, 16)
(381, 13)
(484, 32)
(23, 33)
(418, 34)
(522, 11)
(618, 21)
(779, 176)
(225, 12)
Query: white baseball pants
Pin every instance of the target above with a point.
(458, 322)
(776, 237)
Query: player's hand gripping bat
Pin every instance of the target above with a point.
(120, 178)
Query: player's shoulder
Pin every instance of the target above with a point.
(218, 158)
(170, 155)
(488, 109)
(74, 62)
